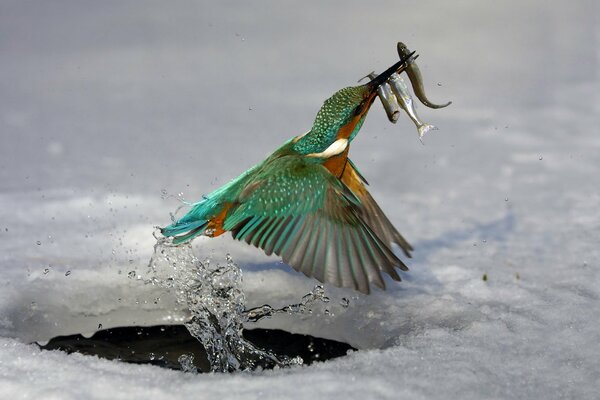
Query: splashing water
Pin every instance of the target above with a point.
(213, 295)
(266, 311)
(187, 363)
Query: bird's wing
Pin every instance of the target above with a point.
(296, 209)
(370, 211)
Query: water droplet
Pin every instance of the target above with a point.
(67, 273)
(506, 199)
(541, 158)
(131, 274)
(46, 270)
(39, 242)
(439, 84)
(187, 363)
(296, 361)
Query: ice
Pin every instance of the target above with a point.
(104, 106)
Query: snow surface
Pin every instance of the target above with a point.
(106, 106)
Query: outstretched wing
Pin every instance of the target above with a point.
(370, 211)
(296, 209)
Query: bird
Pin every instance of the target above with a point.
(308, 203)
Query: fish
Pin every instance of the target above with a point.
(400, 90)
(416, 79)
(388, 100)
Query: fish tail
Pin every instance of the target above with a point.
(423, 129)
(416, 80)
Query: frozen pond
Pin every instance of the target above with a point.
(108, 111)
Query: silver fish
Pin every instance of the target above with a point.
(416, 79)
(405, 100)
(388, 100)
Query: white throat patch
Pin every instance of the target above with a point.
(334, 149)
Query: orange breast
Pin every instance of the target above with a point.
(351, 179)
(336, 164)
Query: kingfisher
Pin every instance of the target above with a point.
(308, 203)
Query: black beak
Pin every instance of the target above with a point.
(398, 67)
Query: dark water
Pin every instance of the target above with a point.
(172, 346)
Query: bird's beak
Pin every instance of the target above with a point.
(396, 68)
(371, 93)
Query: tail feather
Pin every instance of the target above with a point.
(192, 224)
(190, 235)
(189, 230)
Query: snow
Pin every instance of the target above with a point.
(103, 106)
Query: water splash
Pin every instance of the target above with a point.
(187, 363)
(213, 295)
(266, 311)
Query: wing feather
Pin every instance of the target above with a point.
(370, 211)
(304, 214)
(279, 226)
(358, 264)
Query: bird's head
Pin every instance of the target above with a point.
(342, 115)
